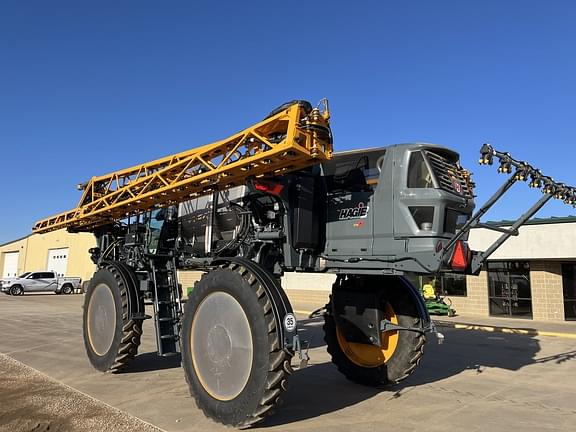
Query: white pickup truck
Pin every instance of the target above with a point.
(39, 281)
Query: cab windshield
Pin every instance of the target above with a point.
(419, 175)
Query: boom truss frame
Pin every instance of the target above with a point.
(292, 139)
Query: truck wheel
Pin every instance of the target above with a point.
(110, 338)
(16, 290)
(399, 355)
(231, 353)
(67, 289)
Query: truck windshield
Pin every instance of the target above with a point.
(23, 275)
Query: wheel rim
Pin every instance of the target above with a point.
(221, 346)
(366, 355)
(101, 319)
(67, 290)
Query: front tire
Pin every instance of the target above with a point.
(400, 353)
(111, 339)
(231, 353)
(16, 290)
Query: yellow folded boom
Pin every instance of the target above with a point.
(286, 141)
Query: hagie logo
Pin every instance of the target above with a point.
(360, 211)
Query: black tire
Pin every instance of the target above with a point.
(67, 289)
(403, 360)
(124, 336)
(254, 398)
(16, 290)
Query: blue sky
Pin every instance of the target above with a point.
(90, 87)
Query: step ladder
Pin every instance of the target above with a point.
(167, 304)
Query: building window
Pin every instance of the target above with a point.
(453, 285)
(509, 291)
(569, 287)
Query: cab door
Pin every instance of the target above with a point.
(351, 179)
(349, 223)
(41, 281)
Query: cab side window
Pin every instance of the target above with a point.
(354, 172)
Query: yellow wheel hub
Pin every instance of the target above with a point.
(370, 356)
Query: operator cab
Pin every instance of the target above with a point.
(389, 201)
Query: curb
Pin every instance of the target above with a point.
(492, 329)
(508, 330)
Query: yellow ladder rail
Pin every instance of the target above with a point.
(289, 140)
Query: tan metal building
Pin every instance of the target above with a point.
(61, 251)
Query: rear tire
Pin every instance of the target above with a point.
(67, 289)
(111, 339)
(16, 290)
(233, 361)
(396, 365)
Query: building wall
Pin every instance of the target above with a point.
(15, 246)
(308, 291)
(476, 300)
(547, 293)
(187, 279)
(34, 252)
(534, 242)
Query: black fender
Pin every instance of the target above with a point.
(135, 299)
(418, 301)
(280, 304)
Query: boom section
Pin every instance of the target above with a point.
(290, 139)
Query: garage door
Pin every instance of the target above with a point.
(58, 261)
(10, 264)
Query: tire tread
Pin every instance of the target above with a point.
(277, 373)
(371, 376)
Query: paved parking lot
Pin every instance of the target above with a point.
(474, 381)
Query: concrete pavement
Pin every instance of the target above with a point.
(474, 381)
(31, 401)
(563, 329)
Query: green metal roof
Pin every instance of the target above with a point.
(537, 221)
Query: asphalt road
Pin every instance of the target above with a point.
(475, 381)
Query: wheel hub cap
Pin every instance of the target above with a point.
(221, 346)
(101, 319)
(370, 356)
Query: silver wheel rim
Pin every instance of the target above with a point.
(221, 346)
(101, 319)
